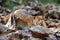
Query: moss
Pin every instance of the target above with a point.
(11, 5)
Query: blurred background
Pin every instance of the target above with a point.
(11, 3)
